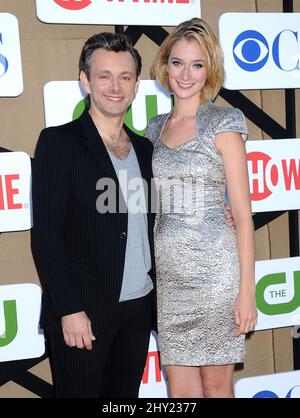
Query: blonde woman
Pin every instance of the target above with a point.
(205, 270)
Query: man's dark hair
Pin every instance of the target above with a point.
(115, 42)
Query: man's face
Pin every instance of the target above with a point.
(112, 84)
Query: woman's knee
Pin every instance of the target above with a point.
(185, 392)
(217, 389)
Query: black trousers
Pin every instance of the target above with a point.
(114, 367)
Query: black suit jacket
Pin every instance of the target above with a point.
(79, 252)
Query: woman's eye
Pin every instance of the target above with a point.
(198, 65)
(176, 63)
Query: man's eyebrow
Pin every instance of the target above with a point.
(109, 72)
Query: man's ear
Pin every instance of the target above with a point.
(85, 82)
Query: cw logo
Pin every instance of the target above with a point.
(10, 322)
(151, 111)
(265, 174)
(251, 50)
(73, 4)
(3, 61)
(277, 308)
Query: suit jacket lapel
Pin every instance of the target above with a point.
(95, 145)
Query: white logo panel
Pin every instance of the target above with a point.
(61, 99)
(153, 383)
(277, 292)
(15, 192)
(20, 336)
(261, 50)
(118, 12)
(274, 174)
(276, 385)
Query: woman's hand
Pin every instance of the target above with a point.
(245, 312)
(229, 216)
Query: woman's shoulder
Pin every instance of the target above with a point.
(229, 119)
(155, 125)
(222, 112)
(156, 120)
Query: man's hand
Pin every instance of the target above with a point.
(77, 330)
(229, 216)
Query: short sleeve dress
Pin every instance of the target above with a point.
(196, 254)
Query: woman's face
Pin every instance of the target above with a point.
(187, 75)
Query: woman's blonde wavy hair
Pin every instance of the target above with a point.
(198, 30)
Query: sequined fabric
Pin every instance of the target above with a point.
(196, 255)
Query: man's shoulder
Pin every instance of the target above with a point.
(64, 133)
(65, 128)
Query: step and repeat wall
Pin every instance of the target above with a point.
(40, 43)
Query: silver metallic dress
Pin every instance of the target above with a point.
(196, 254)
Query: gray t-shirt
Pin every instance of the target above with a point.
(136, 280)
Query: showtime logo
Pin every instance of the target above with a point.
(117, 12)
(8, 192)
(274, 174)
(82, 4)
(154, 1)
(15, 192)
(265, 174)
(73, 4)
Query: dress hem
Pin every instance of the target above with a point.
(202, 363)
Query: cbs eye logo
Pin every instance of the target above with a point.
(251, 50)
(3, 61)
(294, 392)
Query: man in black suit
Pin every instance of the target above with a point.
(95, 257)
